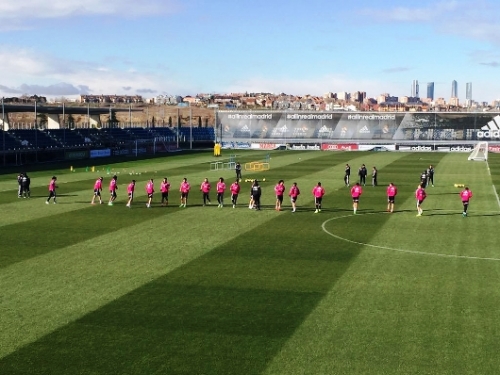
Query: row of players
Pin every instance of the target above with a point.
(426, 178)
(255, 194)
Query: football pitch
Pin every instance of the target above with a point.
(94, 289)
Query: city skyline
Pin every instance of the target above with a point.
(61, 49)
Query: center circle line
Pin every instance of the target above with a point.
(415, 252)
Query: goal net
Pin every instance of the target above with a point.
(480, 152)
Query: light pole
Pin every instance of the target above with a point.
(178, 126)
(130, 115)
(3, 129)
(64, 127)
(435, 128)
(190, 127)
(36, 132)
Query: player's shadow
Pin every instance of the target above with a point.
(485, 215)
(447, 213)
(58, 195)
(459, 213)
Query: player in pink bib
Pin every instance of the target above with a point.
(113, 186)
(150, 189)
(52, 190)
(465, 195)
(221, 188)
(294, 194)
(420, 195)
(318, 193)
(97, 190)
(205, 189)
(391, 191)
(164, 188)
(235, 190)
(279, 190)
(356, 192)
(184, 190)
(130, 192)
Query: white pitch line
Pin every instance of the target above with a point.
(395, 249)
(493, 185)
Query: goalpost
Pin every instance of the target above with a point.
(480, 152)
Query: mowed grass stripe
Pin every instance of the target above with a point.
(396, 313)
(229, 311)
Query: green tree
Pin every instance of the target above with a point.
(42, 120)
(71, 121)
(113, 120)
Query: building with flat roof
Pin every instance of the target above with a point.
(430, 90)
(414, 89)
(454, 89)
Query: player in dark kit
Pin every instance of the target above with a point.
(237, 168)
(362, 172)
(423, 179)
(430, 175)
(25, 186)
(374, 176)
(19, 183)
(347, 174)
(256, 193)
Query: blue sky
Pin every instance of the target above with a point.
(149, 47)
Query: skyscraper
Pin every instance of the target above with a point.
(414, 89)
(430, 90)
(468, 91)
(454, 89)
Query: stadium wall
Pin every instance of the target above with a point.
(313, 130)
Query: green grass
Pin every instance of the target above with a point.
(202, 290)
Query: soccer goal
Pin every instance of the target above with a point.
(480, 152)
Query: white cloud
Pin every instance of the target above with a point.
(414, 13)
(17, 14)
(472, 20)
(28, 72)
